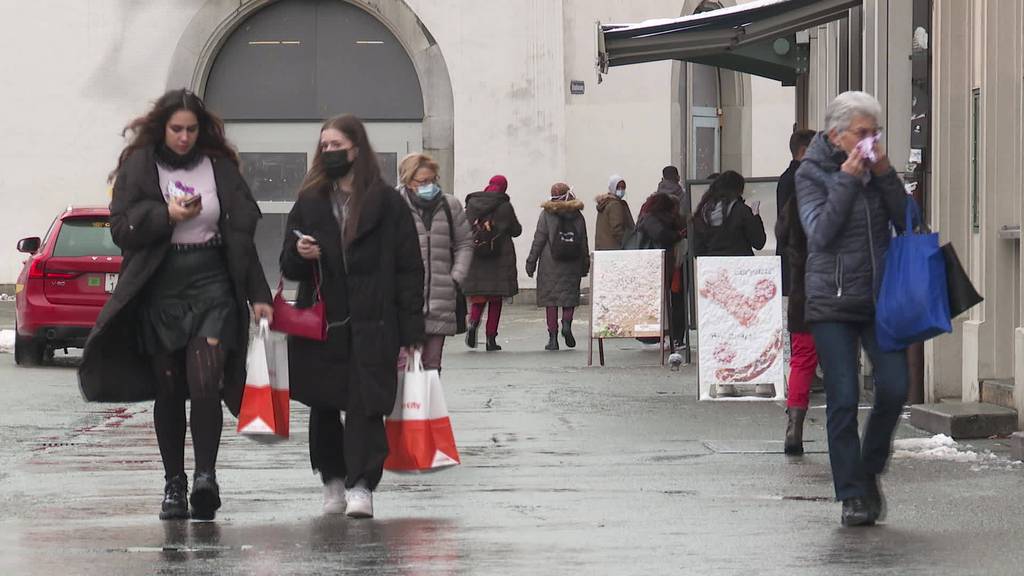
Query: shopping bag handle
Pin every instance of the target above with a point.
(913, 212)
(416, 365)
(264, 329)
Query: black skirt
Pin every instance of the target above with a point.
(190, 296)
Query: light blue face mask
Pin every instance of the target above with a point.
(428, 191)
(620, 193)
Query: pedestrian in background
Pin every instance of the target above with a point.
(847, 203)
(446, 245)
(786, 189)
(723, 225)
(670, 185)
(614, 218)
(803, 358)
(177, 324)
(494, 274)
(360, 244)
(661, 227)
(560, 256)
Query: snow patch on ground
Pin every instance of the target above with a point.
(944, 448)
(6, 341)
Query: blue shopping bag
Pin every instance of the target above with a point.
(913, 305)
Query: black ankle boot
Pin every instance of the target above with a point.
(795, 431)
(876, 499)
(570, 340)
(857, 512)
(175, 504)
(471, 334)
(552, 340)
(492, 344)
(205, 496)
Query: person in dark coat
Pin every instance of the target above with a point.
(847, 202)
(360, 241)
(561, 258)
(723, 224)
(614, 219)
(786, 189)
(660, 227)
(494, 275)
(803, 360)
(177, 323)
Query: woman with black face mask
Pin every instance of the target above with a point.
(177, 324)
(351, 241)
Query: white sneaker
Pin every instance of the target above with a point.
(335, 499)
(360, 502)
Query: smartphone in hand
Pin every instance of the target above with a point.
(191, 201)
(302, 236)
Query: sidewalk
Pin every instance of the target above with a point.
(566, 469)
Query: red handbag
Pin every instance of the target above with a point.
(309, 323)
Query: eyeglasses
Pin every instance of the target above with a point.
(865, 132)
(422, 182)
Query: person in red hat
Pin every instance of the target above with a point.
(493, 276)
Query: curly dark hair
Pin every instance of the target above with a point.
(148, 130)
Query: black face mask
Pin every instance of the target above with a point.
(336, 163)
(175, 161)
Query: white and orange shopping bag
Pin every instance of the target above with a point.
(420, 437)
(264, 412)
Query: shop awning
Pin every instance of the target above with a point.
(758, 37)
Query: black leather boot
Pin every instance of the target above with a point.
(552, 340)
(175, 504)
(471, 334)
(205, 496)
(492, 344)
(795, 431)
(857, 512)
(570, 340)
(876, 499)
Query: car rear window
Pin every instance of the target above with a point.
(85, 237)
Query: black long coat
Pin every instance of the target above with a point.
(497, 275)
(114, 368)
(793, 244)
(374, 300)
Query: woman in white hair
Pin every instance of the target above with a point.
(848, 194)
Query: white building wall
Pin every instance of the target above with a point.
(91, 67)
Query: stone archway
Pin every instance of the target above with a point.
(214, 22)
(735, 103)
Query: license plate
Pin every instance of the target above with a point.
(111, 283)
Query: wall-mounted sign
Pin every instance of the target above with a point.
(577, 86)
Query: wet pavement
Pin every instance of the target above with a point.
(566, 469)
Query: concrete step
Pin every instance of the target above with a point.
(964, 420)
(998, 392)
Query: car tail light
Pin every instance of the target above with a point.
(38, 271)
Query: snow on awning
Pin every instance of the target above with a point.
(719, 37)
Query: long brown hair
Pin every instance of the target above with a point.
(365, 168)
(149, 130)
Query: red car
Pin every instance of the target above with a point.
(64, 284)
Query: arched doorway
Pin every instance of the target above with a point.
(276, 69)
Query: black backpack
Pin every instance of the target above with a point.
(566, 244)
(486, 238)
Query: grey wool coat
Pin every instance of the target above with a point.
(441, 271)
(558, 281)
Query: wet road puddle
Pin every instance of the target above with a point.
(759, 447)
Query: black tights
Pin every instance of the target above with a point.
(198, 371)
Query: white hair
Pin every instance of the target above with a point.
(846, 106)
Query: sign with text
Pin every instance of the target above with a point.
(739, 326)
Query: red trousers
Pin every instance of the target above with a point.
(803, 362)
(493, 314)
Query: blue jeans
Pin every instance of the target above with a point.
(855, 465)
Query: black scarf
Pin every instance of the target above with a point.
(171, 159)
